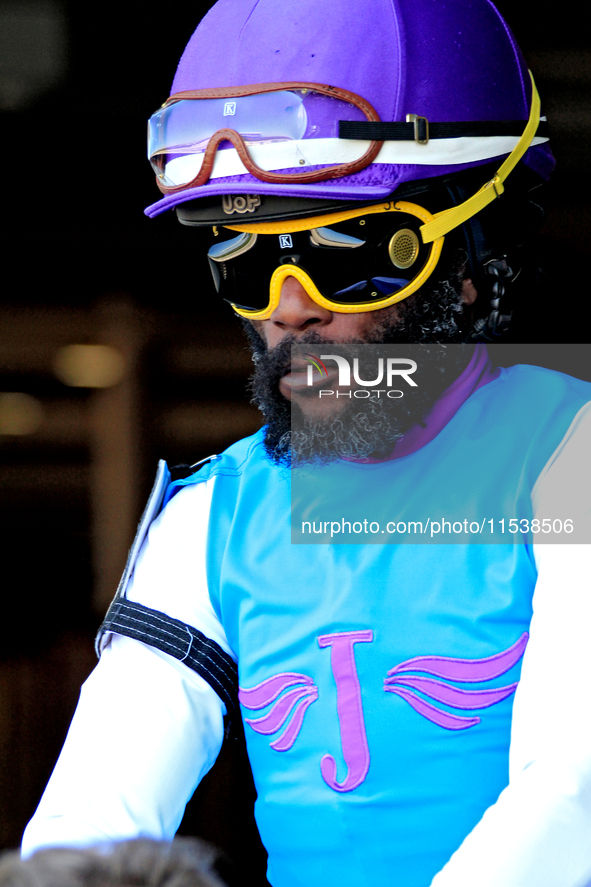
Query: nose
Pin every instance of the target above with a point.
(296, 311)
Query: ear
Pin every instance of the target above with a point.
(469, 293)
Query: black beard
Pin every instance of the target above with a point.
(432, 316)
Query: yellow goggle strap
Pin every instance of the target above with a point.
(445, 221)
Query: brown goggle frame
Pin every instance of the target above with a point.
(230, 135)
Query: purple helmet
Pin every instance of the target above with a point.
(454, 65)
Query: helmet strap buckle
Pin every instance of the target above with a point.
(421, 128)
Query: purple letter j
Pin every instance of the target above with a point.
(349, 710)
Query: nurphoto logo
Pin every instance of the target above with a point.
(386, 370)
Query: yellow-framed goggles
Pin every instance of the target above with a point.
(349, 262)
(352, 261)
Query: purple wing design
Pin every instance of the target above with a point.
(432, 713)
(287, 713)
(409, 686)
(267, 691)
(467, 670)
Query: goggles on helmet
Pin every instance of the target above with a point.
(271, 126)
(349, 262)
(341, 269)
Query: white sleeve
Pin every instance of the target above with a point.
(538, 833)
(147, 728)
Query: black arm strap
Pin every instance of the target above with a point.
(406, 132)
(181, 641)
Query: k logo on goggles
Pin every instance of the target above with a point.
(348, 262)
(270, 125)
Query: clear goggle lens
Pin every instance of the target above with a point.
(283, 129)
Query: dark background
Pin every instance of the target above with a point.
(82, 264)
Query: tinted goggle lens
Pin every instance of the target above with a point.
(283, 129)
(352, 262)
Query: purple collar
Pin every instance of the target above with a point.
(479, 372)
